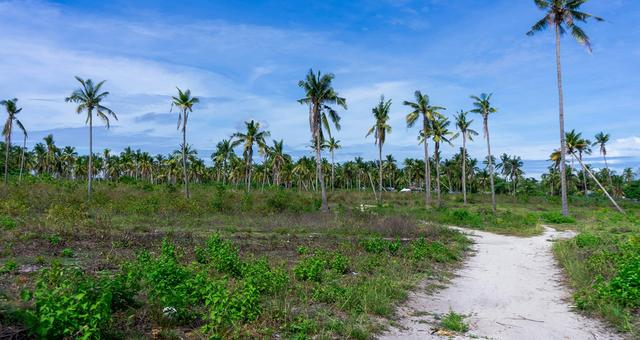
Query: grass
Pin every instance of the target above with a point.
(335, 275)
(454, 322)
(141, 261)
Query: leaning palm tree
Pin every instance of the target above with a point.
(464, 128)
(253, 135)
(184, 102)
(380, 130)
(601, 141)
(89, 98)
(332, 145)
(440, 134)
(422, 108)
(12, 109)
(24, 149)
(483, 107)
(319, 96)
(563, 15)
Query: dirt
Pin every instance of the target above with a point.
(511, 288)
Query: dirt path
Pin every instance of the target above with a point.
(510, 289)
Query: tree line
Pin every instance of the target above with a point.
(459, 173)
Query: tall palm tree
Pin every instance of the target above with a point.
(319, 96)
(184, 102)
(379, 131)
(464, 128)
(483, 107)
(563, 15)
(89, 97)
(278, 159)
(253, 135)
(332, 145)
(440, 134)
(422, 108)
(12, 109)
(601, 141)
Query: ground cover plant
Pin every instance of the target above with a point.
(142, 261)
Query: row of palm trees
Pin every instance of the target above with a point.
(277, 168)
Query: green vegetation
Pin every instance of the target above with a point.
(141, 261)
(454, 322)
(603, 265)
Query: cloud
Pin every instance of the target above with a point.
(629, 146)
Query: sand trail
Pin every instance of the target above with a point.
(511, 288)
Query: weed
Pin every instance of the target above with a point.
(454, 322)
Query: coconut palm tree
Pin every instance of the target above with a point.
(483, 107)
(440, 134)
(601, 141)
(319, 96)
(89, 98)
(464, 128)
(422, 108)
(12, 109)
(278, 160)
(563, 15)
(222, 155)
(379, 131)
(184, 103)
(332, 145)
(253, 135)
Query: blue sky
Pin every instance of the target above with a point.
(244, 59)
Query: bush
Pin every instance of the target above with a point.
(375, 245)
(632, 190)
(586, 240)
(69, 304)
(464, 217)
(422, 249)
(310, 269)
(557, 218)
(221, 255)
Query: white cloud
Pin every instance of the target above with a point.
(622, 147)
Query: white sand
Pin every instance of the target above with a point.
(510, 289)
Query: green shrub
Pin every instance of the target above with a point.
(557, 218)
(265, 279)
(586, 240)
(69, 304)
(375, 245)
(632, 190)
(310, 269)
(221, 255)
(67, 252)
(464, 217)
(7, 223)
(394, 246)
(422, 249)
(221, 201)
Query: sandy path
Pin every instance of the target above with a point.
(510, 289)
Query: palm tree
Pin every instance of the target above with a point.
(332, 145)
(184, 102)
(464, 128)
(320, 95)
(222, 155)
(440, 133)
(483, 107)
(422, 108)
(89, 98)
(601, 140)
(252, 136)
(561, 14)
(12, 109)
(380, 130)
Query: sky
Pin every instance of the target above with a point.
(244, 59)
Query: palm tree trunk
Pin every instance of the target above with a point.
(7, 146)
(584, 177)
(184, 154)
(563, 174)
(427, 170)
(90, 166)
(437, 165)
(380, 169)
(332, 172)
(24, 147)
(323, 192)
(464, 168)
(490, 161)
(607, 167)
